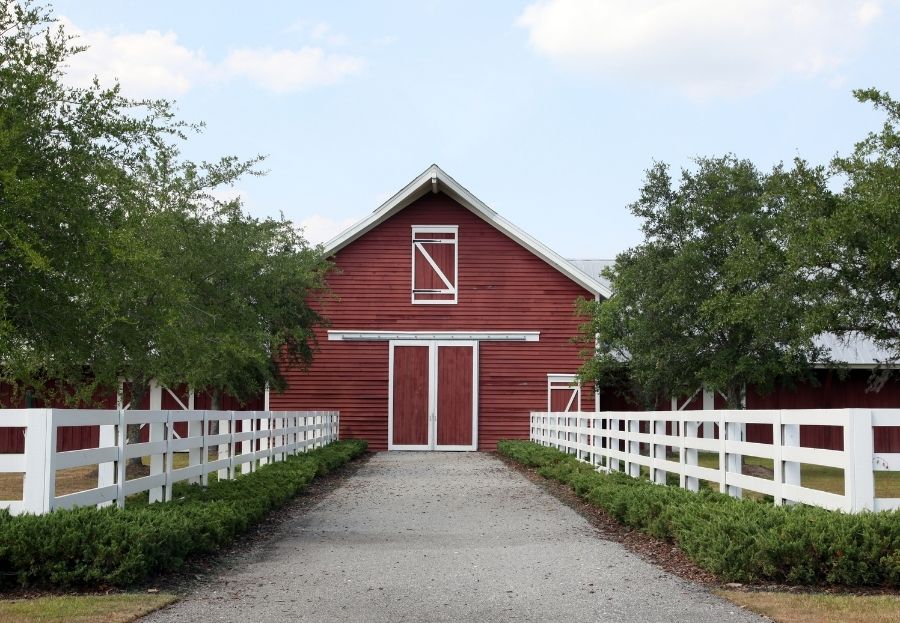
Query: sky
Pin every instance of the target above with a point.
(549, 111)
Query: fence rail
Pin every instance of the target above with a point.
(264, 436)
(671, 442)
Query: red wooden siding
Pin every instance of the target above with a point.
(411, 395)
(502, 287)
(831, 390)
(454, 396)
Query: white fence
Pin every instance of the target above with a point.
(264, 436)
(671, 442)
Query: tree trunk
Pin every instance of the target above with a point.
(734, 396)
(133, 435)
(215, 404)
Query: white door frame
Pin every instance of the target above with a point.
(433, 346)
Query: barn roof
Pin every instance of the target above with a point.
(856, 350)
(434, 179)
(594, 268)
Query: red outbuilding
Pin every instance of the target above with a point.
(448, 326)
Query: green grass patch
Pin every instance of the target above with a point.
(738, 540)
(83, 608)
(119, 547)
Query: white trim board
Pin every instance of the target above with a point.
(481, 336)
(435, 179)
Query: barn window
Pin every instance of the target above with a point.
(563, 393)
(434, 264)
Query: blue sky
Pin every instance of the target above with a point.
(548, 111)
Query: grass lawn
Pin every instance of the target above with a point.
(83, 608)
(810, 608)
(73, 479)
(830, 479)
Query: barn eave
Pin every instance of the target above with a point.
(433, 180)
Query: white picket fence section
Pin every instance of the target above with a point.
(671, 440)
(265, 436)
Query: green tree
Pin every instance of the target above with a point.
(708, 299)
(853, 252)
(65, 158)
(117, 259)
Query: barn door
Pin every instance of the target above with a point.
(433, 395)
(410, 401)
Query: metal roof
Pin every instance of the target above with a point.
(593, 269)
(855, 350)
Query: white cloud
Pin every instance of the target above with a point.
(282, 71)
(147, 64)
(318, 31)
(324, 32)
(318, 228)
(156, 64)
(385, 40)
(701, 48)
(229, 193)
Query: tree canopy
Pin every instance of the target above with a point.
(705, 299)
(740, 271)
(117, 259)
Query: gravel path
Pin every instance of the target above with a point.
(445, 537)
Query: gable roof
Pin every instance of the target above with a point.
(434, 179)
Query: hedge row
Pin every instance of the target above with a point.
(738, 540)
(118, 547)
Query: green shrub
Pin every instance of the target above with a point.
(738, 540)
(118, 547)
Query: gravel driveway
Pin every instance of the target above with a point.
(445, 537)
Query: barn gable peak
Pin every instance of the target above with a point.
(434, 180)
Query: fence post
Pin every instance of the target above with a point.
(689, 430)
(122, 464)
(709, 403)
(611, 463)
(634, 448)
(658, 451)
(224, 450)
(248, 445)
(170, 456)
(723, 464)
(157, 433)
(232, 446)
(40, 482)
(859, 480)
(195, 455)
(790, 437)
(264, 441)
(106, 472)
(204, 451)
(733, 433)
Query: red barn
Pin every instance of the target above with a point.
(449, 325)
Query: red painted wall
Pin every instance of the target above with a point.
(832, 391)
(502, 287)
